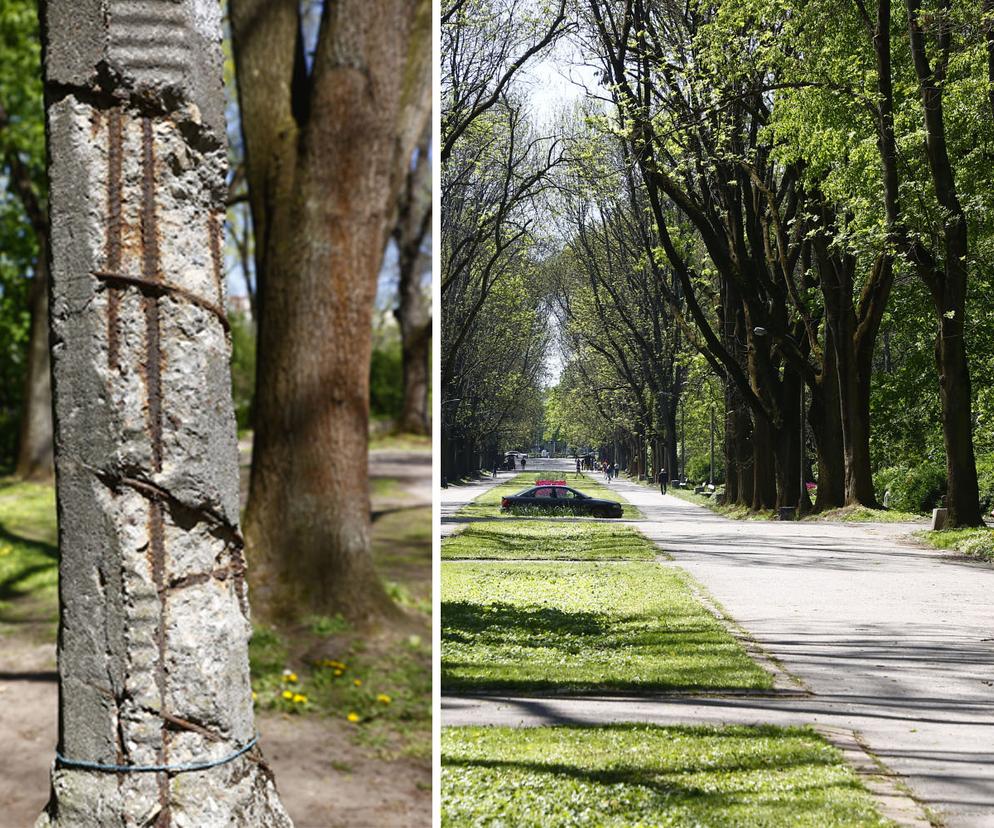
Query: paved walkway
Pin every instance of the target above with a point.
(455, 496)
(892, 641)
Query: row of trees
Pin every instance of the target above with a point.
(770, 187)
(325, 193)
(497, 170)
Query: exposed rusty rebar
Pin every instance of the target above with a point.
(160, 287)
(112, 254)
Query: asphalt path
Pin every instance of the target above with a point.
(876, 635)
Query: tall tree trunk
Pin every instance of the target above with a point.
(327, 152)
(35, 459)
(413, 311)
(154, 627)
(948, 283)
(764, 477)
(824, 415)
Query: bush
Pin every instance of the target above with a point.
(242, 367)
(386, 378)
(699, 467)
(985, 480)
(915, 487)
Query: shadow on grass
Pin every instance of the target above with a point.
(464, 621)
(504, 646)
(35, 557)
(710, 780)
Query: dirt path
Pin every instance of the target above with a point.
(325, 779)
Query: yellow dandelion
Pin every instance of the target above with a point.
(353, 717)
(299, 698)
(254, 695)
(287, 694)
(357, 682)
(384, 698)
(338, 672)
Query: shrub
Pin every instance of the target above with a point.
(386, 378)
(985, 480)
(242, 367)
(914, 487)
(699, 467)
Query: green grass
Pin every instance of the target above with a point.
(386, 488)
(385, 695)
(400, 442)
(488, 504)
(733, 511)
(846, 514)
(28, 553)
(864, 514)
(319, 664)
(538, 540)
(977, 543)
(584, 627)
(647, 775)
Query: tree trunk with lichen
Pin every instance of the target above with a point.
(154, 627)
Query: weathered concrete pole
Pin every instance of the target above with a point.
(153, 667)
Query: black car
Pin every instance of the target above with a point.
(557, 496)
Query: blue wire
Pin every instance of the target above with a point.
(189, 766)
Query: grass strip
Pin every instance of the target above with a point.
(546, 540)
(488, 504)
(29, 566)
(584, 627)
(648, 775)
(976, 543)
(845, 514)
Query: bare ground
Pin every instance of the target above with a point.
(325, 779)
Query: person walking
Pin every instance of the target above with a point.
(664, 478)
(495, 468)
(524, 461)
(577, 466)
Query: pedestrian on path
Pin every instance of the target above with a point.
(664, 478)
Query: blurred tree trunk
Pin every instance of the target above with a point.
(413, 312)
(328, 142)
(153, 614)
(35, 443)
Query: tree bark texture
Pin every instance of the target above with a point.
(154, 627)
(328, 147)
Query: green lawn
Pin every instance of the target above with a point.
(488, 504)
(28, 553)
(977, 543)
(541, 539)
(584, 627)
(846, 514)
(645, 775)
